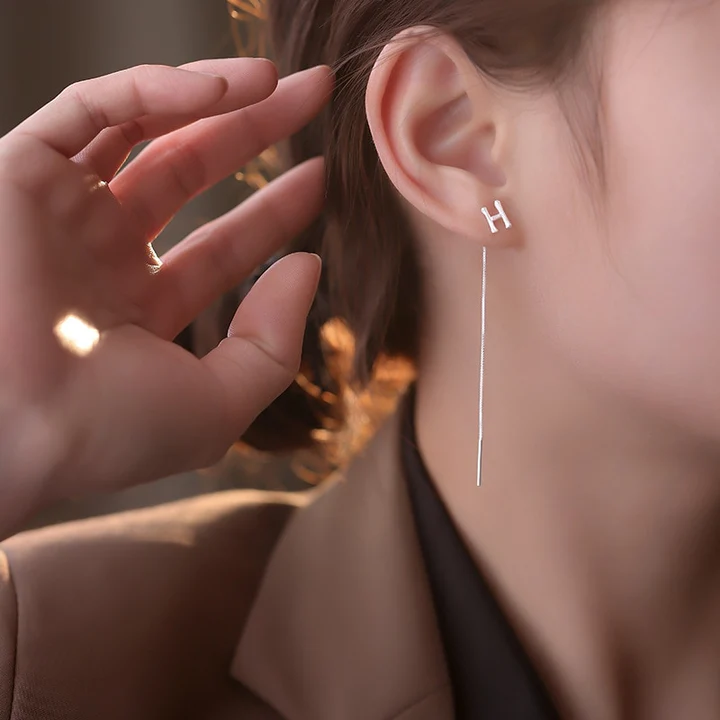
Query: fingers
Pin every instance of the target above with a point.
(176, 412)
(224, 252)
(250, 80)
(177, 167)
(82, 111)
(262, 353)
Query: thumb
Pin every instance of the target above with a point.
(261, 355)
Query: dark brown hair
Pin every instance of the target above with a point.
(371, 285)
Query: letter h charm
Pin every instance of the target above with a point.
(501, 215)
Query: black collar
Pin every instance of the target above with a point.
(491, 674)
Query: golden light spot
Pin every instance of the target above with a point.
(94, 183)
(76, 335)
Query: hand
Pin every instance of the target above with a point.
(94, 395)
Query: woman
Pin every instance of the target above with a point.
(565, 151)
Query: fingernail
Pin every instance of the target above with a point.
(313, 70)
(319, 263)
(223, 80)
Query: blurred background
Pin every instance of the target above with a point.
(44, 47)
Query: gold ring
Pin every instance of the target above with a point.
(95, 183)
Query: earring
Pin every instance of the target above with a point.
(491, 221)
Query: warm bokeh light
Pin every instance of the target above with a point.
(76, 335)
(253, 8)
(252, 39)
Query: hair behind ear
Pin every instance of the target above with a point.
(372, 281)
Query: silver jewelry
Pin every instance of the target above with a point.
(501, 214)
(493, 228)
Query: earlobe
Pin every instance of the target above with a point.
(501, 215)
(434, 122)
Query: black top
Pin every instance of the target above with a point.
(491, 675)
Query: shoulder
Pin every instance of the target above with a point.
(141, 551)
(153, 590)
(241, 524)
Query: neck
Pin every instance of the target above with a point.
(599, 530)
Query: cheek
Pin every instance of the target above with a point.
(634, 306)
(663, 234)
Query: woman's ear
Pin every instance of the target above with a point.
(437, 124)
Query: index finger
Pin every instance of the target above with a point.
(83, 110)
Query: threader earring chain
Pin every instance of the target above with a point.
(493, 228)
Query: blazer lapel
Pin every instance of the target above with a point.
(343, 626)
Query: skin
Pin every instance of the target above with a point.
(598, 519)
(135, 407)
(597, 522)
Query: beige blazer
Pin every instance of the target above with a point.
(242, 605)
